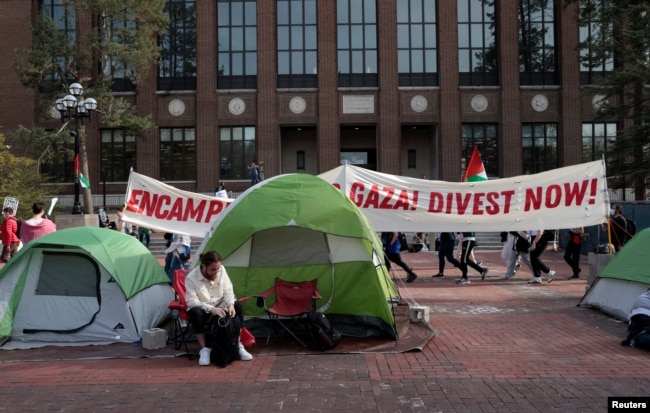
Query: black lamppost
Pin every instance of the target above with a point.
(75, 107)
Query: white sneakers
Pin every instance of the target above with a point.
(535, 280)
(243, 354)
(204, 356)
(551, 273)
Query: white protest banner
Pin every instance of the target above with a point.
(10, 202)
(156, 205)
(567, 197)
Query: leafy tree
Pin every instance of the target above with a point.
(622, 36)
(121, 45)
(20, 179)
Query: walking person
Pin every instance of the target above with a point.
(10, 241)
(37, 226)
(468, 244)
(538, 245)
(510, 254)
(573, 250)
(446, 251)
(392, 248)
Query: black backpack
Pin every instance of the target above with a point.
(19, 224)
(630, 227)
(325, 337)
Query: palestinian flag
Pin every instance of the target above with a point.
(475, 170)
(82, 179)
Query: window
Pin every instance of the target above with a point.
(237, 44)
(177, 69)
(237, 149)
(593, 65)
(597, 139)
(477, 52)
(64, 18)
(483, 135)
(539, 142)
(417, 53)
(356, 32)
(177, 154)
(122, 32)
(297, 44)
(117, 155)
(537, 55)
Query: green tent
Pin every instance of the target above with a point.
(624, 278)
(298, 227)
(82, 285)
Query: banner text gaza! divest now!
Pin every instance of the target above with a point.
(475, 202)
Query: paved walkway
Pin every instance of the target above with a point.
(503, 346)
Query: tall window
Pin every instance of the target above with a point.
(117, 155)
(177, 154)
(356, 32)
(597, 139)
(122, 32)
(237, 149)
(417, 52)
(477, 51)
(64, 18)
(237, 44)
(539, 142)
(297, 44)
(593, 64)
(177, 69)
(537, 54)
(483, 135)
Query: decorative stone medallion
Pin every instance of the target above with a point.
(54, 112)
(599, 101)
(176, 107)
(419, 103)
(539, 103)
(297, 105)
(237, 106)
(479, 103)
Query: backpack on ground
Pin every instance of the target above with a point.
(325, 337)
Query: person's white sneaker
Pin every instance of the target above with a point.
(551, 273)
(243, 354)
(535, 280)
(204, 356)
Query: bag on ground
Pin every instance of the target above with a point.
(325, 337)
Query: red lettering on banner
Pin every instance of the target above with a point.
(177, 210)
(131, 204)
(414, 203)
(577, 191)
(215, 209)
(385, 203)
(358, 200)
(435, 202)
(462, 202)
(194, 213)
(159, 212)
(553, 196)
(373, 198)
(402, 201)
(478, 203)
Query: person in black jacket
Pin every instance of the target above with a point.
(446, 251)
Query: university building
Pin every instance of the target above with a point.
(405, 87)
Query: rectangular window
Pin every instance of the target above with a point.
(483, 135)
(236, 44)
(597, 139)
(477, 51)
(356, 34)
(177, 69)
(177, 154)
(417, 43)
(539, 143)
(121, 32)
(594, 62)
(537, 54)
(237, 148)
(297, 44)
(64, 17)
(117, 155)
